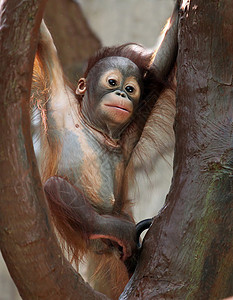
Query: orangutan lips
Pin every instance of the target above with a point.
(118, 107)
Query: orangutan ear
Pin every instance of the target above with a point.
(82, 86)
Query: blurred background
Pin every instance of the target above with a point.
(122, 21)
(79, 28)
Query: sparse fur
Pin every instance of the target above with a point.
(106, 270)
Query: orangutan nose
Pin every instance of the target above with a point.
(121, 94)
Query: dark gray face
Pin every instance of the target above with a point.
(114, 87)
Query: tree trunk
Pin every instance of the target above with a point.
(188, 253)
(27, 240)
(72, 36)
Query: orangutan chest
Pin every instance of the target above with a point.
(92, 168)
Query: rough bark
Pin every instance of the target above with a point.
(188, 253)
(72, 35)
(27, 240)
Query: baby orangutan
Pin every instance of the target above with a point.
(87, 138)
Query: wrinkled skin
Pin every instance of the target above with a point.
(111, 94)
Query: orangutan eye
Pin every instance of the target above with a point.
(129, 89)
(112, 82)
